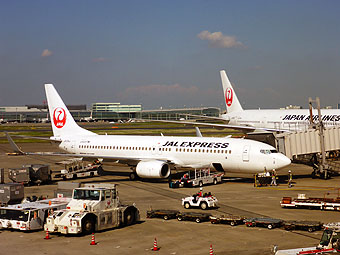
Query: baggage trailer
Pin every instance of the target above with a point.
(309, 226)
(92, 208)
(30, 215)
(75, 168)
(193, 216)
(197, 178)
(269, 223)
(329, 243)
(164, 214)
(302, 202)
(231, 220)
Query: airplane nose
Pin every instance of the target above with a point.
(283, 161)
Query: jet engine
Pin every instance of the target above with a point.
(153, 169)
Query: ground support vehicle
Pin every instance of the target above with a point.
(194, 216)
(309, 226)
(31, 174)
(231, 220)
(30, 215)
(262, 179)
(311, 203)
(204, 202)
(329, 243)
(93, 207)
(269, 223)
(197, 178)
(75, 168)
(164, 214)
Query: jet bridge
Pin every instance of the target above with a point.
(317, 146)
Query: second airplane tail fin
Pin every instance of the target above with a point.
(62, 121)
(231, 101)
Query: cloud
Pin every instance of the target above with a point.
(100, 60)
(218, 40)
(46, 53)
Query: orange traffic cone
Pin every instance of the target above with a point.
(47, 237)
(93, 242)
(155, 248)
(211, 250)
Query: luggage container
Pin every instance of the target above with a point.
(39, 173)
(30, 174)
(11, 193)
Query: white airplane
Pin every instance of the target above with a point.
(272, 120)
(155, 156)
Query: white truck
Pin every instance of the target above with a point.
(30, 215)
(329, 243)
(204, 201)
(93, 207)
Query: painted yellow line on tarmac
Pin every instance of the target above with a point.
(298, 189)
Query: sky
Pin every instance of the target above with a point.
(169, 53)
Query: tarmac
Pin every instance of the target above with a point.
(236, 194)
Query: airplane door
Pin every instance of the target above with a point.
(245, 153)
(156, 150)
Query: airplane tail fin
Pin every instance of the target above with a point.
(231, 101)
(62, 121)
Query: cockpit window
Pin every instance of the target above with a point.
(268, 151)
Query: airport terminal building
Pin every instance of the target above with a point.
(102, 112)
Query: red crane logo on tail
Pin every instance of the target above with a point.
(229, 96)
(59, 117)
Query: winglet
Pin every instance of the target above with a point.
(14, 146)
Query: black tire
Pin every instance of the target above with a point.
(232, 223)
(91, 174)
(204, 205)
(270, 226)
(129, 216)
(88, 226)
(186, 205)
(215, 181)
(165, 217)
(133, 176)
(310, 229)
(198, 220)
(179, 218)
(200, 184)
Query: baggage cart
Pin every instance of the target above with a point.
(193, 216)
(164, 214)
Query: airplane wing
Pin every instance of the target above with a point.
(206, 117)
(132, 161)
(244, 129)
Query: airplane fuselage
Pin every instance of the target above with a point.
(234, 155)
(290, 119)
